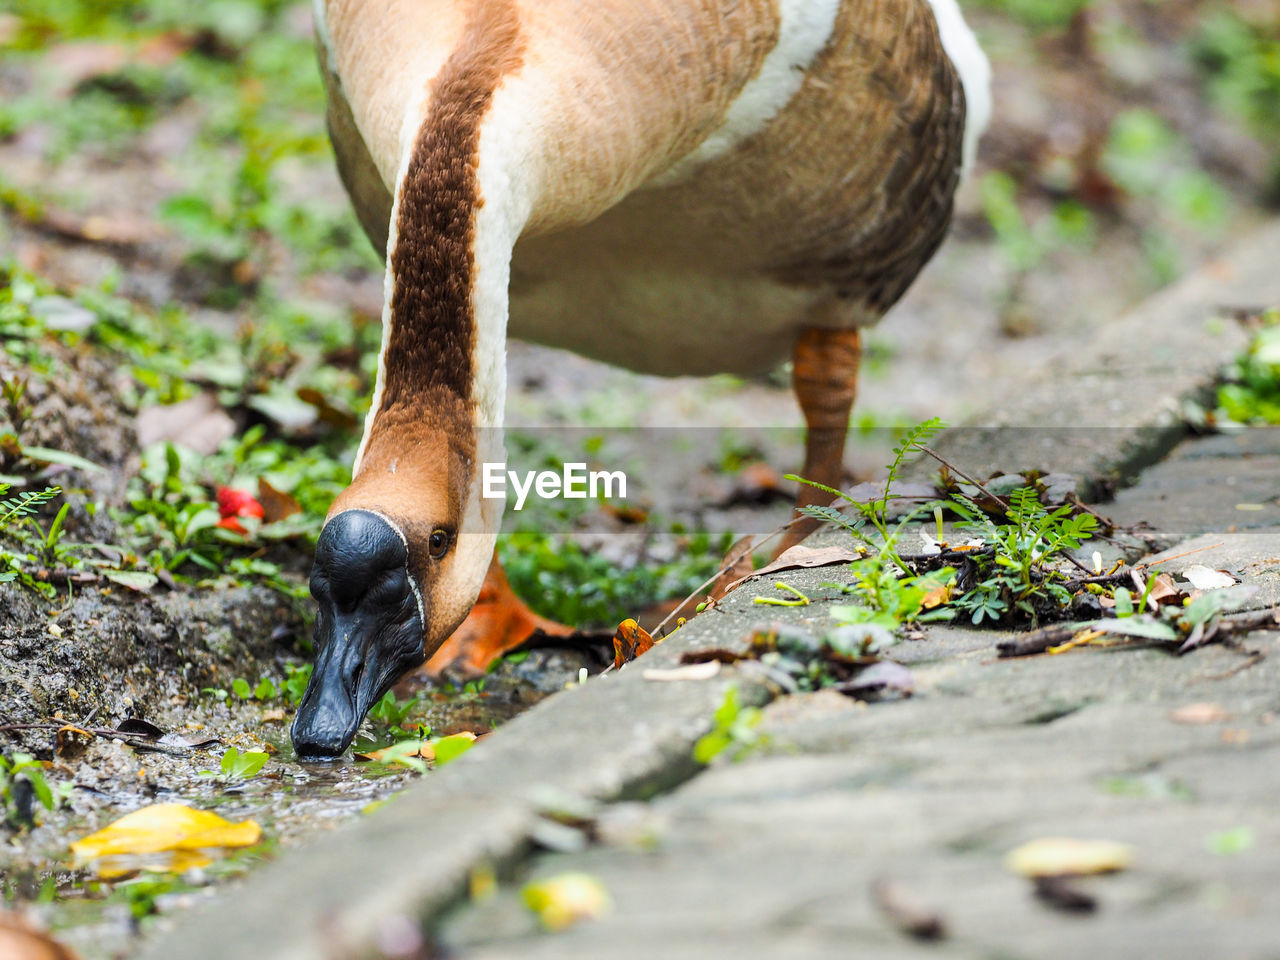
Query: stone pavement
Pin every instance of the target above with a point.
(775, 856)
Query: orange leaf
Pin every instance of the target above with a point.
(629, 642)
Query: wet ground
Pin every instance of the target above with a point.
(104, 778)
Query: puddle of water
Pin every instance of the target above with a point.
(292, 802)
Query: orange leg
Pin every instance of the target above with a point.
(500, 621)
(825, 380)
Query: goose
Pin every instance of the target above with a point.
(672, 186)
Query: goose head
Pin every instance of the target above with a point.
(397, 568)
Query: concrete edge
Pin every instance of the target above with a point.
(621, 736)
(615, 737)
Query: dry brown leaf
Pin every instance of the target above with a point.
(1068, 857)
(328, 413)
(1198, 714)
(1164, 590)
(276, 504)
(629, 642)
(799, 557)
(906, 911)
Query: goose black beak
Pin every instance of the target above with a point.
(368, 631)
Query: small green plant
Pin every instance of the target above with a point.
(391, 711)
(1016, 577)
(1252, 391)
(21, 773)
(1040, 14)
(239, 766)
(296, 678)
(733, 731)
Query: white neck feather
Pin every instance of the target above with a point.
(975, 73)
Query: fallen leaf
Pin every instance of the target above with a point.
(1164, 590)
(626, 514)
(629, 642)
(906, 911)
(163, 827)
(138, 580)
(454, 745)
(19, 940)
(879, 678)
(397, 750)
(1142, 626)
(328, 413)
(562, 900)
(1061, 894)
(757, 484)
(275, 715)
(71, 741)
(199, 423)
(1205, 578)
(276, 504)
(1196, 714)
(800, 556)
(154, 735)
(717, 654)
(694, 671)
(1068, 857)
(936, 597)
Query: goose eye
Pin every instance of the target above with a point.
(438, 544)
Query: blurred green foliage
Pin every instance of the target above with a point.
(1038, 14)
(1241, 57)
(1252, 391)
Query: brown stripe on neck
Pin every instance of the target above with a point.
(432, 333)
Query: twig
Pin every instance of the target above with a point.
(1106, 579)
(1036, 642)
(96, 731)
(962, 475)
(1243, 623)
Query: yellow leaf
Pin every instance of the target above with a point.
(936, 597)
(165, 826)
(1064, 856)
(425, 750)
(564, 899)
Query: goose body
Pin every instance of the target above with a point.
(673, 186)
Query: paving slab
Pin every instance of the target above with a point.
(775, 856)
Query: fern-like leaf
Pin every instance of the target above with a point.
(24, 504)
